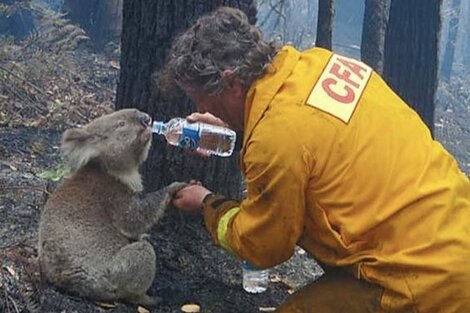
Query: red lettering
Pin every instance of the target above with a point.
(345, 75)
(345, 98)
(356, 68)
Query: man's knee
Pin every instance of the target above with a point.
(335, 291)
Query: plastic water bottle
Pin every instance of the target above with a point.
(198, 136)
(255, 280)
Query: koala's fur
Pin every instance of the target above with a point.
(91, 227)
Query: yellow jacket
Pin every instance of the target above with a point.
(337, 163)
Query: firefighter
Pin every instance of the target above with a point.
(336, 163)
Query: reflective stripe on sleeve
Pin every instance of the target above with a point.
(222, 228)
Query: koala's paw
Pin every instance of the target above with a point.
(173, 188)
(166, 194)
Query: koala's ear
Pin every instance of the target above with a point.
(77, 146)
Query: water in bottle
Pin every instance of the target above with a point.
(255, 280)
(206, 138)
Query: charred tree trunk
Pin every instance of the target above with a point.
(100, 19)
(373, 33)
(326, 13)
(448, 58)
(189, 267)
(411, 53)
(148, 29)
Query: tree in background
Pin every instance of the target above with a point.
(101, 19)
(448, 58)
(55, 5)
(326, 13)
(16, 19)
(466, 38)
(411, 53)
(349, 15)
(188, 265)
(148, 29)
(288, 21)
(373, 33)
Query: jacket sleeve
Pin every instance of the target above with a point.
(265, 227)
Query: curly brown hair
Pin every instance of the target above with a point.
(220, 40)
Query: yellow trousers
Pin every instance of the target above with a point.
(336, 291)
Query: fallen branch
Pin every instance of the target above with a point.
(23, 80)
(2, 188)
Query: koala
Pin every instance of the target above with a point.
(91, 228)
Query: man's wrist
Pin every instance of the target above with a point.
(206, 198)
(218, 201)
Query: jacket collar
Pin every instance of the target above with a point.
(263, 90)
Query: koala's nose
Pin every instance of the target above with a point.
(144, 119)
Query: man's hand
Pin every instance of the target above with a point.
(206, 118)
(189, 199)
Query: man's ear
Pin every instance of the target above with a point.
(233, 83)
(229, 77)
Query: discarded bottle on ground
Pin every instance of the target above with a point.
(255, 280)
(206, 138)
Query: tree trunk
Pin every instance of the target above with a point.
(448, 58)
(100, 19)
(148, 29)
(373, 33)
(326, 13)
(411, 53)
(108, 21)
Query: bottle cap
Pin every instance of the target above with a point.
(157, 127)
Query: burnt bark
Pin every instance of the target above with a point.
(326, 13)
(148, 29)
(411, 53)
(373, 33)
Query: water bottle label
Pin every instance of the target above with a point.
(248, 266)
(190, 136)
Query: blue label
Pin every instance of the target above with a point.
(248, 266)
(190, 137)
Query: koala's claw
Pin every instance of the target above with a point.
(173, 188)
(165, 195)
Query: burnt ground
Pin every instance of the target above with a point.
(190, 269)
